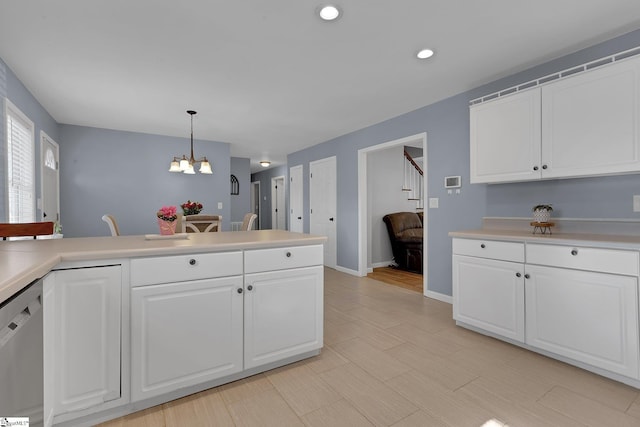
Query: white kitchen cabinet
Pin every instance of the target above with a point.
(283, 312)
(87, 338)
(488, 286)
(586, 124)
(586, 316)
(582, 303)
(590, 122)
(185, 333)
(505, 138)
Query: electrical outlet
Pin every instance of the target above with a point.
(636, 203)
(219, 205)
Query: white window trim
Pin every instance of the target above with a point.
(10, 108)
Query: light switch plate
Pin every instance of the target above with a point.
(636, 203)
(434, 202)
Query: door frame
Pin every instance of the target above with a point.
(43, 137)
(274, 215)
(363, 223)
(255, 193)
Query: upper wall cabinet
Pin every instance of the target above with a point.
(583, 125)
(505, 138)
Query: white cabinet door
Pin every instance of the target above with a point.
(505, 138)
(87, 316)
(184, 334)
(283, 312)
(489, 294)
(588, 317)
(590, 122)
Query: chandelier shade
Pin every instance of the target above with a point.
(184, 164)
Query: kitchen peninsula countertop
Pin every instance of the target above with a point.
(23, 261)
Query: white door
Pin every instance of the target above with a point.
(50, 175)
(322, 201)
(255, 202)
(295, 199)
(277, 204)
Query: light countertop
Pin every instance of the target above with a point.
(23, 261)
(612, 241)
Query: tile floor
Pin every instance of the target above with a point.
(395, 358)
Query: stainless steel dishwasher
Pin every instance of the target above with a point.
(21, 360)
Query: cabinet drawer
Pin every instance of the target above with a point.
(282, 258)
(180, 268)
(581, 258)
(505, 251)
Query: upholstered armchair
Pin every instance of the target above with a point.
(405, 232)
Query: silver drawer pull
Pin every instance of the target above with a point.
(192, 261)
(518, 275)
(483, 246)
(288, 254)
(574, 252)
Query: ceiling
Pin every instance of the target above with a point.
(271, 78)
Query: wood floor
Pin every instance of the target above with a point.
(395, 358)
(397, 277)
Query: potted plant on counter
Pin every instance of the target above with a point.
(542, 213)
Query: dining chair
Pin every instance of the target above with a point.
(247, 221)
(26, 229)
(201, 223)
(111, 222)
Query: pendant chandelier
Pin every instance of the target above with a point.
(184, 164)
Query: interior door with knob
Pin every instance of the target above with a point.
(295, 199)
(50, 198)
(322, 202)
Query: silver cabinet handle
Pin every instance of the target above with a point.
(192, 261)
(518, 275)
(574, 252)
(288, 254)
(526, 276)
(239, 290)
(535, 168)
(483, 246)
(544, 166)
(250, 287)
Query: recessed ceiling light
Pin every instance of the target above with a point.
(265, 163)
(329, 12)
(425, 53)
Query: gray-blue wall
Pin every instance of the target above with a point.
(241, 203)
(13, 89)
(447, 126)
(127, 174)
(264, 177)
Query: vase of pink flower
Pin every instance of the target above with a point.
(167, 220)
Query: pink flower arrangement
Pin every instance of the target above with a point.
(167, 213)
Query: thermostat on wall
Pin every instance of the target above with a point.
(452, 182)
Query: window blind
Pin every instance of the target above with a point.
(20, 166)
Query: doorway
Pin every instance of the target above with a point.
(278, 221)
(255, 202)
(295, 199)
(50, 178)
(364, 225)
(322, 203)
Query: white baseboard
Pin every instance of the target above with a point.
(440, 297)
(348, 271)
(381, 264)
